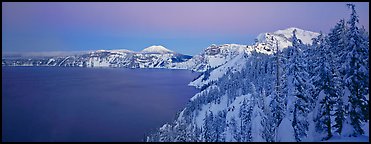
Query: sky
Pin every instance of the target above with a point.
(187, 28)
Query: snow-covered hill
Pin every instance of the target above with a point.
(239, 100)
(230, 79)
(211, 58)
(214, 61)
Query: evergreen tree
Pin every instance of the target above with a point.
(208, 127)
(245, 124)
(235, 130)
(336, 42)
(277, 105)
(300, 76)
(165, 133)
(180, 130)
(364, 36)
(326, 87)
(220, 126)
(356, 77)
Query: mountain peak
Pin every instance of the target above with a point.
(289, 31)
(156, 49)
(284, 36)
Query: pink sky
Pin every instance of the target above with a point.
(168, 20)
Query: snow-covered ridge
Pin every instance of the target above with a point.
(115, 51)
(212, 57)
(284, 37)
(156, 49)
(215, 60)
(218, 55)
(151, 57)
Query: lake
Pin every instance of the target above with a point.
(90, 104)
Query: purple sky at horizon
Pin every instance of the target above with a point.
(186, 28)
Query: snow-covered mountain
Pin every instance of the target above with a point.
(217, 55)
(239, 99)
(284, 37)
(229, 80)
(156, 49)
(214, 61)
(151, 57)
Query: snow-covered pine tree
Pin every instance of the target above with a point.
(302, 100)
(266, 130)
(180, 130)
(234, 129)
(365, 45)
(336, 43)
(356, 75)
(165, 133)
(285, 131)
(220, 125)
(208, 128)
(261, 129)
(326, 83)
(245, 124)
(277, 105)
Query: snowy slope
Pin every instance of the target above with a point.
(212, 57)
(235, 64)
(231, 75)
(216, 99)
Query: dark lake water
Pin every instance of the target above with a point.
(90, 104)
